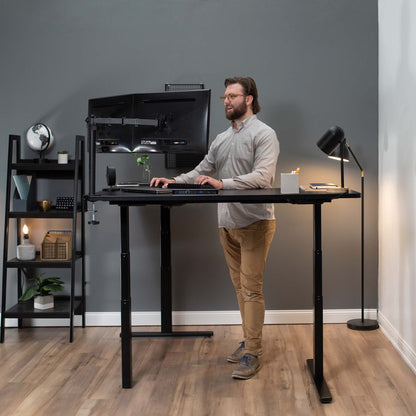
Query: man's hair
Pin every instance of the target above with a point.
(249, 87)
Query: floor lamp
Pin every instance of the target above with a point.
(334, 144)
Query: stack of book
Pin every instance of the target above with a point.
(328, 187)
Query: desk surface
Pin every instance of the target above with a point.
(250, 196)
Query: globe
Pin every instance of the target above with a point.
(39, 137)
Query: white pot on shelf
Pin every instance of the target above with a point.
(62, 158)
(43, 302)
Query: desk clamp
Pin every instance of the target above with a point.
(93, 211)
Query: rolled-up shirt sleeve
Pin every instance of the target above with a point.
(205, 167)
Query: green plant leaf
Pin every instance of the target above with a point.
(53, 280)
(143, 160)
(29, 293)
(53, 288)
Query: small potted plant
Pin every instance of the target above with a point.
(144, 162)
(63, 157)
(42, 291)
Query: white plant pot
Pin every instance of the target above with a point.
(62, 158)
(43, 302)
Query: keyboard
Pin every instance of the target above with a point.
(188, 186)
(191, 188)
(174, 188)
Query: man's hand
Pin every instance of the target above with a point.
(164, 181)
(203, 180)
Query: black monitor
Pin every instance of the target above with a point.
(174, 122)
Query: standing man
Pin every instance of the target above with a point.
(242, 157)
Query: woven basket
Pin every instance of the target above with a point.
(56, 245)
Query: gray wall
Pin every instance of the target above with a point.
(315, 63)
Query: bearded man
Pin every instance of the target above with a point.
(242, 157)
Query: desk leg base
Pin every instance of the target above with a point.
(321, 386)
(172, 334)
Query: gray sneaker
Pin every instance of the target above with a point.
(237, 355)
(247, 367)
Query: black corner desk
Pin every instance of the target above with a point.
(125, 200)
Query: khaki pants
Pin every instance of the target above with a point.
(246, 251)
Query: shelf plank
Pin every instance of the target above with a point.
(25, 309)
(53, 213)
(46, 168)
(47, 165)
(38, 263)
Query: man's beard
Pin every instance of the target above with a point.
(236, 112)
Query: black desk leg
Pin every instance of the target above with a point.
(165, 271)
(125, 299)
(166, 286)
(316, 365)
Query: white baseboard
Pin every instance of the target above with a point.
(331, 316)
(404, 349)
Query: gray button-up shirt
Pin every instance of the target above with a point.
(243, 159)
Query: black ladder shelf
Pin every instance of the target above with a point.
(64, 306)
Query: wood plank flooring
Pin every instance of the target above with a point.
(41, 374)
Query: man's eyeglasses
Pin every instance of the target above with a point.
(231, 96)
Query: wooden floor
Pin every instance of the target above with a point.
(42, 374)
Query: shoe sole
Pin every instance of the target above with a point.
(238, 377)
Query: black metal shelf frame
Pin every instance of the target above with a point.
(65, 306)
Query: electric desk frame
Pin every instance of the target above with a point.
(166, 201)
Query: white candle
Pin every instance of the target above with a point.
(26, 251)
(25, 232)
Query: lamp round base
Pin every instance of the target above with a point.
(362, 325)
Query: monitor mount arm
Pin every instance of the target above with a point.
(124, 121)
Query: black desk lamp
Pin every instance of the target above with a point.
(334, 144)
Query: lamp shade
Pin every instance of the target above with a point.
(330, 140)
(340, 153)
